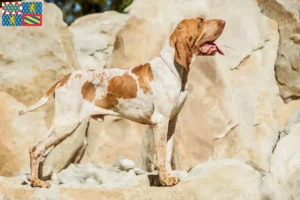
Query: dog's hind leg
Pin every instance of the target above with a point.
(39, 151)
(66, 120)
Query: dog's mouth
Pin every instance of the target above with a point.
(209, 48)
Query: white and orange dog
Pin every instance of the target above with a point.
(152, 93)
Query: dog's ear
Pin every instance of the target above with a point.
(183, 53)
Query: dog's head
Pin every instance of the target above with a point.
(196, 37)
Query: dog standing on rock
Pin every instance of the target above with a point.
(152, 93)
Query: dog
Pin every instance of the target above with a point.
(151, 93)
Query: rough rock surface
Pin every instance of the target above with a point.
(94, 37)
(225, 179)
(138, 33)
(283, 182)
(287, 15)
(27, 71)
(230, 109)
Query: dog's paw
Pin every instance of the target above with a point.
(169, 180)
(39, 183)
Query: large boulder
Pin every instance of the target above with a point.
(132, 39)
(230, 110)
(31, 61)
(283, 181)
(287, 15)
(94, 37)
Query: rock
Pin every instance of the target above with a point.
(229, 111)
(138, 33)
(283, 182)
(286, 13)
(246, 79)
(285, 110)
(94, 37)
(18, 133)
(139, 171)
(124, 164)
(27, 72)
(168, 10)
(91, 175)
(225, 179)
(291, 122)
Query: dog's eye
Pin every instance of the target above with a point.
(200, 21)
(180, 27)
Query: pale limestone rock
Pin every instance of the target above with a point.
(139, 39)
(286, 13)
(18, 133)
(168, 10)
(94, 37)
(283, 182)
(247, 76)
(285, 110)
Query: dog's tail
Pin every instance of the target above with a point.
(42, 101)
(48, 95)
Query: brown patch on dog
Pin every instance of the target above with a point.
(64, 80)
(88, 91)
(51, 90)
(118, 87)
(78, 76)
(59, 84)
(145, 75)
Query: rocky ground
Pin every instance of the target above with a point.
(225, 179)
(240, 124)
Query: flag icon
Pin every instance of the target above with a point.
(11, 20)
(22, 13)
(32, 7)
(11, 8)
(31, 20)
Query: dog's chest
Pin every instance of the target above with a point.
(179, 102)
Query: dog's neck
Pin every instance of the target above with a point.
(167, 55)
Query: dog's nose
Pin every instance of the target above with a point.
(222, 22)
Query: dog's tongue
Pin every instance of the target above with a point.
(208, 46)
(219, 50)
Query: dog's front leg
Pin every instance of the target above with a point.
(160, 132)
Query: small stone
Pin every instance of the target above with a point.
(91, 181)
(126, 164)
(139, 171)
(54, 179)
